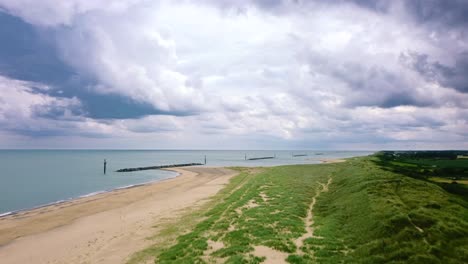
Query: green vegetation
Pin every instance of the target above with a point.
(170, 230)
(267, 209)
(381, 216)
(441, 163)
(367, 213)
(444, 168)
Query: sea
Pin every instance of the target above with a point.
(35, 178)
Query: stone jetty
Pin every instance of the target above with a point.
(260, 158)
(158, 167)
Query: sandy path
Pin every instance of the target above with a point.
(105, 228)
(309, 220)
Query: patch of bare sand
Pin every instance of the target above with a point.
(212, 247)
(332, 160)
(255, 170)
(105, 228)
(264, 197)
(272, 256)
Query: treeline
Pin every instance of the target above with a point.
(426, 164)
(433, 154)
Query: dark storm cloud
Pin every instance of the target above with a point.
(446, 13)
(375, 86)
(270, 3)
(119, 107)
(26, 54)
(450, 19)
(29, 54)
(401, 99)
(107, 106)
(378, 5)
(437, 14)
(240, 7)
(455, 77)
(282, 5)
(57, 111)
(149, 129)
(365, 82)
(38, 133)
(265, 4)
(375, 5)
(55, 132)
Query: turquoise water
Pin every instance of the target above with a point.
(32, 178)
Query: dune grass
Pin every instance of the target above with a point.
(268, 209)
(368, 215)
(170, 230)
(375, 216)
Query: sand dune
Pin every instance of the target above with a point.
(105, 228)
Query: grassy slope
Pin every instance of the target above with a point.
(369, 215)
(386, 217)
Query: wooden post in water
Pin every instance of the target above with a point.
(245, 156)
(205, 159)
(105, 163)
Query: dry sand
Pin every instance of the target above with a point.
(332, 160)
(105, 228)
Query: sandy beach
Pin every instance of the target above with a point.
(108, 227)
(332, 160)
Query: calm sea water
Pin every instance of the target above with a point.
(32, 178)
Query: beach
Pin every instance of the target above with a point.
(107, 227)
(332, 160)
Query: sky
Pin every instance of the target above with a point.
(234, 74)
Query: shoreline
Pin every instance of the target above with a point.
(327, 161)
(76, 198)
(107, 227)
(91, 194)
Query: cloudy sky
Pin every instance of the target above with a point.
(234, 74)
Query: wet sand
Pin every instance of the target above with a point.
(108, 227)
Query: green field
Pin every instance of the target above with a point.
(445, 180)
(353, 212)
(444, 163)
(444, 168)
